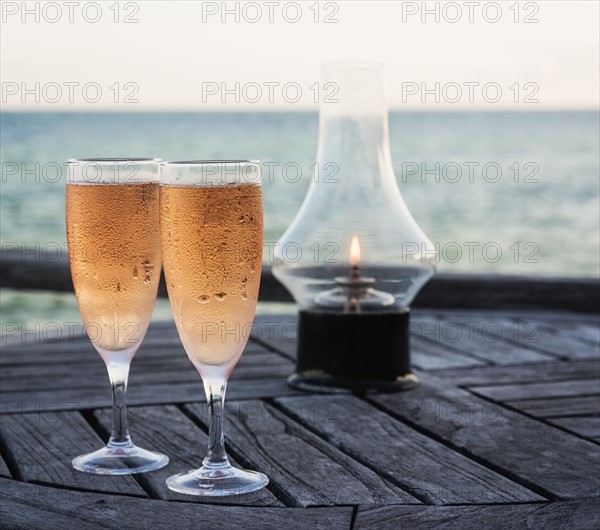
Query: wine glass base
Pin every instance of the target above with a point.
(120, 460)
(217, 482)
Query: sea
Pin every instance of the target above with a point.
(496, 192)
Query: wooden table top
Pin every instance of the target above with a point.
(504, 431)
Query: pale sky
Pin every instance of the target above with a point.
(180, 55)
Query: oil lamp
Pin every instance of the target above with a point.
(362, 256)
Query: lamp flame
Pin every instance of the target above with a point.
(354, 252)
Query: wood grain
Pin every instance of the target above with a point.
(556, 407)
(174, 370)
(581, 515)
(168, 430)
(532, 373)
(26, 506)
(459, 439)
(420, 465)
(564, 344)
(574, 387)
(534, 453)
(587, 426)
(43, 445)
(480, 338)
(85, 398)
(308, 471)
(428, 355)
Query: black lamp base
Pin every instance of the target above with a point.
(356, 352)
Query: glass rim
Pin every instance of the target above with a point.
(113, 160)
(232, 162)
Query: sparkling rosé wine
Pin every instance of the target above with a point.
(212, 244)
(114, 249)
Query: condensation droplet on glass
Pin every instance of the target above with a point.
(203, 298)
(220, 296)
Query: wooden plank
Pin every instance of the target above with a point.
(526, 373)
(563, 344)
(78, 351)
(575, 387)
(56, 337)
(480, 338)
(174, 371)
(420, 465)
(277, 331)
(428, 355)
(174, 368)
(580, 514)
(589, 333)
(43, 446)
(584, 329)
(146, 359)
(159, 331)
(63, 350)
(168, 430)
(49, 401)
(308, 471)
(587, 426)
(558, 317)
(556, 407)
(23, 506)
(26, 506)
(534, 453)
(141, 363)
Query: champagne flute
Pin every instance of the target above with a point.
(211, 222)
(114, 251)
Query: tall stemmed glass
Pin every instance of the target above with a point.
(114, 250)
(211, 222)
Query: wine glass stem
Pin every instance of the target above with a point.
(216, 456)
(119, 374)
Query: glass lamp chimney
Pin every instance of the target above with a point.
(354, 292)
(356, 213)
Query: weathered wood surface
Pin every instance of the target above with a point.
(423, 466)
(533, 373)
(586, 426)
(503, 432)
(168, 430)
(309, 470)
(580, 515)
(552, 462)
(572, 387)
(42, 447)
(561, 406)
(25, 506)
